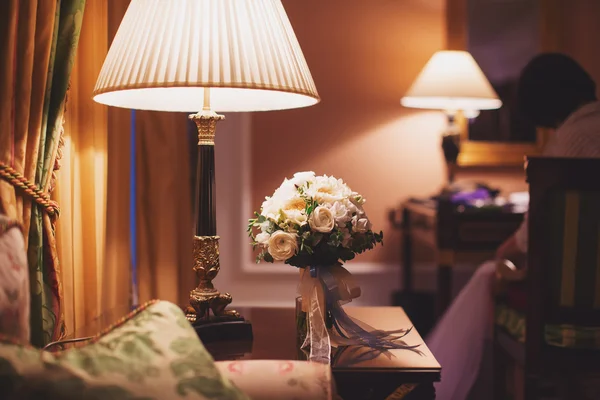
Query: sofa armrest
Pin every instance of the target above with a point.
(280, 379)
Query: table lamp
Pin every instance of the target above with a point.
(453, 82)
(206, 56)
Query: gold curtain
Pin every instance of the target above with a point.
(92, 184)
(164, 207)
(38, 42)
(25, 53)
(93, 188)
(117, 274)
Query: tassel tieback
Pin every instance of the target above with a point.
(19, 181)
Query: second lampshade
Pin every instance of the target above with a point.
(452, 81)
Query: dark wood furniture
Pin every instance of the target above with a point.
(359, 373)
(562, 285)
(454, 233)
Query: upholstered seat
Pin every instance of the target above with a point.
(510, 317)
(512, 322)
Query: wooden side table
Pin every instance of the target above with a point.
(453, 233)
(360, 373)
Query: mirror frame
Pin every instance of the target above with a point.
(499, 154)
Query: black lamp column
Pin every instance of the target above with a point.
(451, 147)
(205, 298)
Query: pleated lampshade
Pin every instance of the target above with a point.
(452, 80)
(166, 52)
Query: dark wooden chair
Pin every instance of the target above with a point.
(548, 326)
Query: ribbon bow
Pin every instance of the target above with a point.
(324, 289)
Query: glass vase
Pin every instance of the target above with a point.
(301, 323)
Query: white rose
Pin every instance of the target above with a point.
(264, 227)
(296, 217)
(301, 178)
(328, 190)
(321, 220)
(350, 207)
(282, 245)
(340, 213)
(360, 225)
(262, 238)
(270, 208)
(294, 203)
(284, 192)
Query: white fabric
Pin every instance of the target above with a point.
(458, 340)
(577, 137)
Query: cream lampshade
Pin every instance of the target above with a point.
(166, 52)
(452, 81)
(205, 56)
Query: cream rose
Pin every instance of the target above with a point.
(301, 178)
(296, 217)
(340, 213)
(321, 220)
(282, 245)
(263, 238)
(360, 225)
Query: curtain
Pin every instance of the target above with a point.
(93, 188)
(164, 208)
(117, 282)
(38, 43)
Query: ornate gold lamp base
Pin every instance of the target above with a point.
(207, 309)
(206, 312)
(205, 298)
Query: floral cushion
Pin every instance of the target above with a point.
(14, 282)
(152, 354)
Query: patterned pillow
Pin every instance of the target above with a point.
(14, 282)
(281, 379)
(152, 354)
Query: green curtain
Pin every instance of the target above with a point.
(39, 42)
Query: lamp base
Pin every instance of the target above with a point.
(207, 310)
(219, 330)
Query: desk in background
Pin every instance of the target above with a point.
(454, 233)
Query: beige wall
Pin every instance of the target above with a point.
(363, 57)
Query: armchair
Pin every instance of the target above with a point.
(548, 326)
(153, 352)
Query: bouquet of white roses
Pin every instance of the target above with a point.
(312, 221)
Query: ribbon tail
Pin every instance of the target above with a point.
(317, 337)
(357, 335)
(338, 288)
